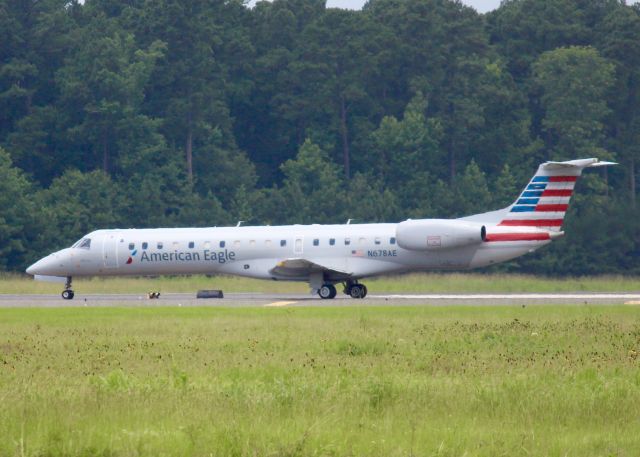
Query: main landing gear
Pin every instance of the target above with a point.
(67, 293)
(327, 291)
(355, 290)
(351, 288)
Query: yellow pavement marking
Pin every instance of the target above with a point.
(632, 303)
(281, 303)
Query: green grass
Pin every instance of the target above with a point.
(375, 381)
(412, 283)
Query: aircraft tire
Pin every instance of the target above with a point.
(364, 290)
(67, 294)
(357, 291)
(327, 291)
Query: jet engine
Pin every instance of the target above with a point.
(438, 234)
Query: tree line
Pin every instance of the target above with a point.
(147, 113)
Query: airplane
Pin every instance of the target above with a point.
(326, 255)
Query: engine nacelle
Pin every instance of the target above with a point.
(438, 234)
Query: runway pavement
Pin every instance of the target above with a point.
(282, 300)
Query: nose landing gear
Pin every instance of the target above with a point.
(67, 293)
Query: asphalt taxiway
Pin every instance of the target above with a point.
(281, 300)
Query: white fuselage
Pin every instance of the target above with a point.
(325, 255)
(362, 250)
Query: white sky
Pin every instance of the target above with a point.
(482, 6)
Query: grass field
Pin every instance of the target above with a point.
(394, 381)
(412, 283)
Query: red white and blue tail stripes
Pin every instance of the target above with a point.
(544, 202)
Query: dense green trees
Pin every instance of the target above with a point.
(164, 112)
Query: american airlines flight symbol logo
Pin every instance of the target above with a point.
(130, 259)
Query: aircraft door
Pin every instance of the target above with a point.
(298, 245)
(110, 249)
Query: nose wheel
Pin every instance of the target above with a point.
(67, 293)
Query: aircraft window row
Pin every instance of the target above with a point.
(207, 244)
(86, 243)
(347, 241)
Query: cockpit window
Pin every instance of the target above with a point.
(85, 243)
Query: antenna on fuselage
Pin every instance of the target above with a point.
(349, 221)
(240, 223)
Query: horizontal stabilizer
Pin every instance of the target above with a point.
(580, 163)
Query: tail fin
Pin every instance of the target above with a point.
(545, 200)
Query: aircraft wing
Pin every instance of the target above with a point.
(295, 268)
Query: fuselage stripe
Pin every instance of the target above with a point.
(517, 237)
(532, 222)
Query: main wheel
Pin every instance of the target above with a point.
(364, 291)
(327, 291)
(67, 294)
(357, 291)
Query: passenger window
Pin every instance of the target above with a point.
(252, 242)
(332, 241)
(347, 241)
(392, 240)
(145, 245)
(175, 244)
(283, 243)
(316, 242)
(236, 243)
(85, 244)
(159, 244)
(132, 246)
(207, 244)
(362, 240)
(376, 240)
(191, 244)
(267, 242)
(222, 243)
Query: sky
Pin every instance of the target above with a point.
(482, 6)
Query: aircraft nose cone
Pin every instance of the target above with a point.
(45, 266)
(39, 267)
